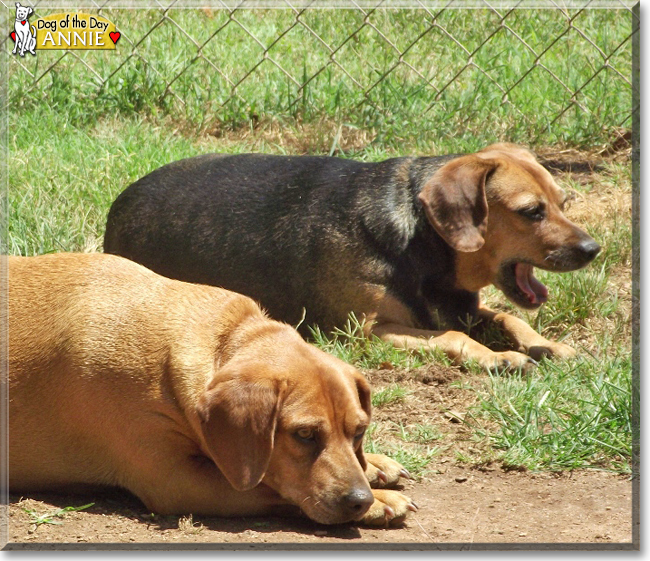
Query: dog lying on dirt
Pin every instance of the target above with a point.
(186, 395)
(406, 244)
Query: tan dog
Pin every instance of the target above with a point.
(186, 395)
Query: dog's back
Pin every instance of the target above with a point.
(83, 330)
(291, 232)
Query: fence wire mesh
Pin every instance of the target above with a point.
(518, 70)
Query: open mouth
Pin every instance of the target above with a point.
(519, 284)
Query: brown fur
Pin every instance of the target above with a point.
(406, 244)
(186, 395)
(481, 223)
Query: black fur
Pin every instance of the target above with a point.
(280, 228)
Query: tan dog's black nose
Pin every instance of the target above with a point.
(358, 501)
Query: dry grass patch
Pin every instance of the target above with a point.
(271, 134)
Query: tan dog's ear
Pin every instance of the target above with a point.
(455, 204)
(363, 388)
(238, 415)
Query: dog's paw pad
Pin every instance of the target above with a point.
(383, 471)
(389, 509)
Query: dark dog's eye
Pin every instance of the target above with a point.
(359, 435)
(537, 212)
(306, 435)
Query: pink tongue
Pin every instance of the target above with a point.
(536, 292)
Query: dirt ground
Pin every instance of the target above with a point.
(458, 506)
(461, 504)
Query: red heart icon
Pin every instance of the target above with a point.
(115, 36)
(13, 36)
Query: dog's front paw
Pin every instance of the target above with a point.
(551, 349)
(389, 509)
(383, 471)
(507, 361)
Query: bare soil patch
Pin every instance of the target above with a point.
(457, 506)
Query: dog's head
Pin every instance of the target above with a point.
(22, 12)
(502, 213)
(286, 415)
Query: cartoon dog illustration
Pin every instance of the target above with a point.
(25, 37)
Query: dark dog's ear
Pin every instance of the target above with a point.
(363, 389)
(455, 204)
(238, 415)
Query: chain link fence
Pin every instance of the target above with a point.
(545, 71)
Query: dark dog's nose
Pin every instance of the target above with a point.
(358, 501)
(589, 248)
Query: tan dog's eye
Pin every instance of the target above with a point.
(306, 435)
(359, 435)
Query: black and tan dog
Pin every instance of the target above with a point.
(405, 244)
(186, 395)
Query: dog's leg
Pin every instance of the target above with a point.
(193, 484)
(32, 42)
(524, 338)
(457, 346)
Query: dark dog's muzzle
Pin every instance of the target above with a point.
(572, 257)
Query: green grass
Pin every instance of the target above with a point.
(415, 457)
(388, 395)
(576, 301)
(420, 434)
(49, 517)
(566, 416)
(63, 178)
(421, 94)
(351, 345)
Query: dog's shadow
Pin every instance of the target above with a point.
(575, 166)
(118, 502)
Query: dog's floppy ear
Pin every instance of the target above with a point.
(455, 203)
(238, 414)
(363, 389)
